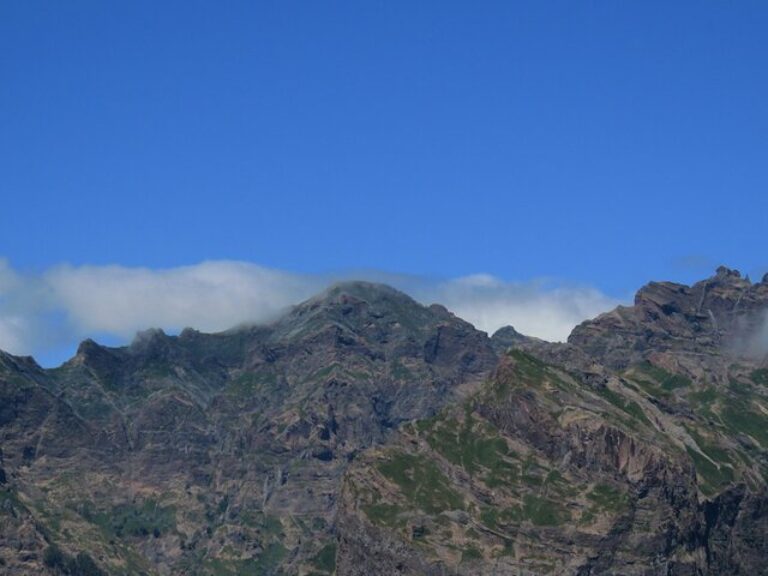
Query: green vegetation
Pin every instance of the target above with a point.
(266, 563)
(269, 525)
(158, 370)
(527, 371)
(471, 553)
(743, 419)
(760, 377)
(495, 518)
(384, 514)
(62, 563)
(9, 495)
(532, 474)
(651, 388)
(248, 383)
(131, 520)
(325, 559)
(712, 476)
(739, 413)
(544, 512)
(421, 482)
(531, 370)
(474, 446)
(626, 405)
(713, 450)
(666, 380)
(607, 498)
(702, 401)
(399, 371)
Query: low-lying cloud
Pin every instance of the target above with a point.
(534, 308)
(65, 304)
(754, 344)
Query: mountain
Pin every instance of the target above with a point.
(220, 453)
(365, 434)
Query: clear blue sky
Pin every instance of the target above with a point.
(600, 142)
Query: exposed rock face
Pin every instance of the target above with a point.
(535, 475)
(723, 315)
(365, 434)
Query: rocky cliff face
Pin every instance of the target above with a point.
(363, 433)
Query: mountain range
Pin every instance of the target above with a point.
(363, 433)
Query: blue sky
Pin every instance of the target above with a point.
(601, 144)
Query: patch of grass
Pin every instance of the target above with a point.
(608, 498)
(739, 413)
(740, 389)
(470, 553)
(158, 369)
(587, 517)
(421, 482)
(666, 380)
(713, 450)
(747, 421)
(324, 372)
(147, 519)
(62, 563)
(705, 396)
(713, 477)
(625, 404)
(399, 371)
(384, 514)
(266, 563)
(530, 369)
(543, 512)
(760, 377)
(249, 383)
(325, 559)
(475, 447)
(652, 389)
(527, 371)
(495, 518)
(703, 400)
(9, 495)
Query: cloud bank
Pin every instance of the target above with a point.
(65, 304)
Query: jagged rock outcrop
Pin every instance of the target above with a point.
(698, 325)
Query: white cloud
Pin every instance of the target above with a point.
(21, 305)
(13, 335)
(533, 308)
(68, 303)
(209, 296)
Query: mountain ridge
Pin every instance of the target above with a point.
(293, 447)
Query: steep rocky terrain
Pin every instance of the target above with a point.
(637, 448)
(365, 434)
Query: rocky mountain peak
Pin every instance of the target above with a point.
(723, 272)
(11, 363)
(358, 307)
(712, 316)
(507, 337)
